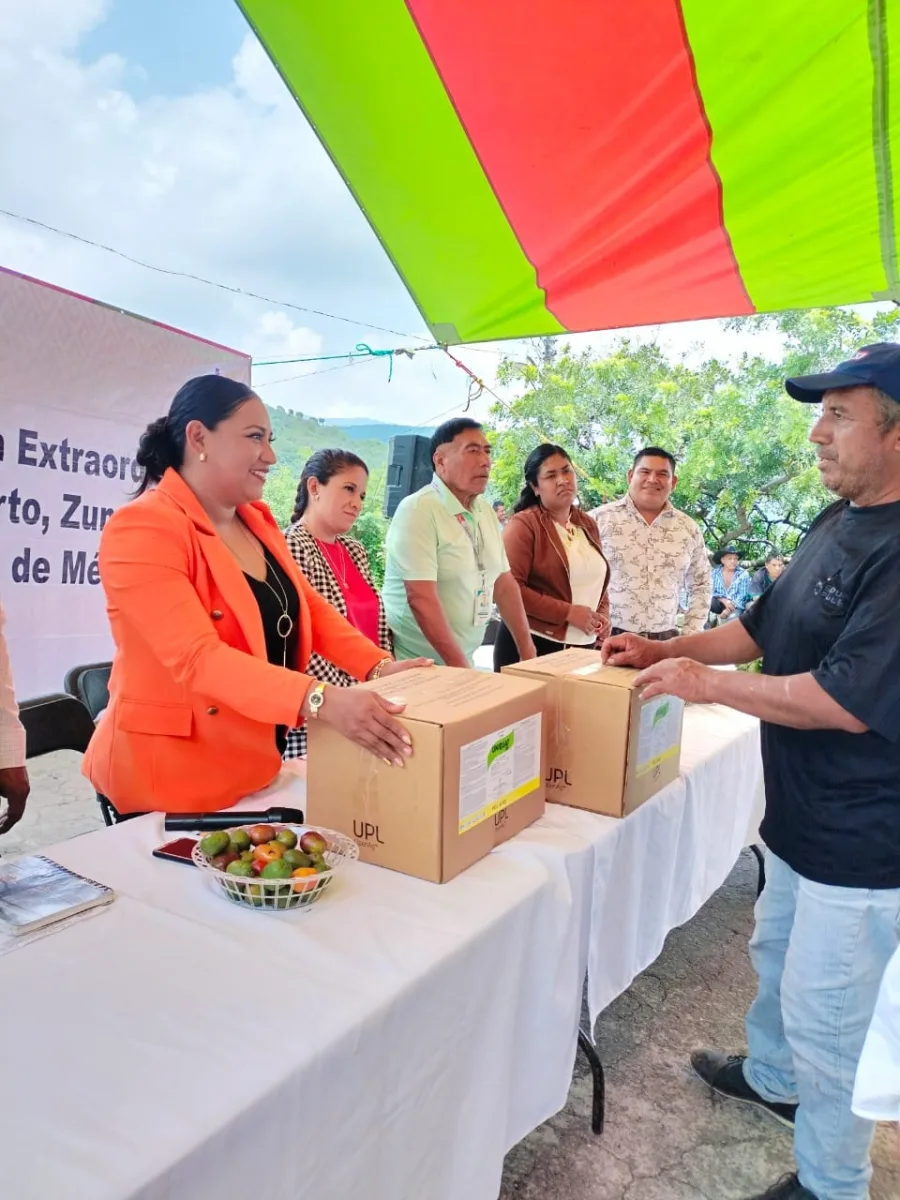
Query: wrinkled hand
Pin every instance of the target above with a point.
(630, 650)
(366, 718)
(14, 788)
(394, 668)
(682, 677)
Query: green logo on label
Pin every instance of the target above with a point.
(661, 713)
(500, 747)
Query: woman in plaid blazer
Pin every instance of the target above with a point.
(329, 499)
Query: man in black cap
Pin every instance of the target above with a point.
(828, 920)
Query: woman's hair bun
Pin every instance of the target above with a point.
(156, 451)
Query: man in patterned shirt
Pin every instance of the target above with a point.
(655, 553)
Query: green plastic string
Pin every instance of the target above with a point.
(362, 350)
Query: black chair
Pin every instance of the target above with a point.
(60, 722)
(55, 722)
(90, 685)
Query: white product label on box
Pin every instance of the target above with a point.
(658, 736)
(498, 770)
(590, 669)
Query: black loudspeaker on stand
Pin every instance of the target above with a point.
(409, 468)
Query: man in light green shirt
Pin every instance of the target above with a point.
(445, 563)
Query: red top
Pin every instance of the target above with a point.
(361, 600)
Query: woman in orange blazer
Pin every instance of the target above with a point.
(214, 624)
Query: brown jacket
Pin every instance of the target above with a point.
(540, 566)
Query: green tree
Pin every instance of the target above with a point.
(280, 493)
(371, 527)
(746, 469)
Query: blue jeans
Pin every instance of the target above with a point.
(820, 953)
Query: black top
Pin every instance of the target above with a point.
(833, 798)
(270, 598)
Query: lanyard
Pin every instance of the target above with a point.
(476, 540)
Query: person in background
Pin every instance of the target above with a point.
(556, 558)
(828, 920)
(14, 785)
(763, 579)
(330, 497)
(214, 624)
(500, 511)
(445, 560)
(730, 585)
(656, 555)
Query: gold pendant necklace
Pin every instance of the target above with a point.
(284, 626)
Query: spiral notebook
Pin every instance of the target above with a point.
(36, 891)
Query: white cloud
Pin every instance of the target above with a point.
(257, 78)
(227, 183)
(278, 337)
(41, 25)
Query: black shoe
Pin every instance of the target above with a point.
(725, 1075)
(789, 1188)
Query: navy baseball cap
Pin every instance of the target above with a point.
(871, 366)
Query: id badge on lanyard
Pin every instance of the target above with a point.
(483, 600)
(483, 597)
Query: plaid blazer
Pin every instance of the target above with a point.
(314, 565)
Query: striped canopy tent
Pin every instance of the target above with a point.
(537, 166)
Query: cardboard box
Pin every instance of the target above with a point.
(475, 777)
(607, 750)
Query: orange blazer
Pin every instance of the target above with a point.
(193, 701)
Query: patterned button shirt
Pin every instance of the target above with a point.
(651, 565)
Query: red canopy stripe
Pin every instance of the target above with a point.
(601, 163)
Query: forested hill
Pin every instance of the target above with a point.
(297, 436)
(381, 431)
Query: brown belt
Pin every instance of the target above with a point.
(665, 636)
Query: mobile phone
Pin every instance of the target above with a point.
(177, 851)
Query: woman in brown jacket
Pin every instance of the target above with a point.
(555, 555)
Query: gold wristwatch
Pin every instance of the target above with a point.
(316, 699)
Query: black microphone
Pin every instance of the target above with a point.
(178, 822)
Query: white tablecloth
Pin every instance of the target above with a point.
(392, 1042)
(877, 1093)
(654, 871)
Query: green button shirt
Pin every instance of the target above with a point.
(427, 541)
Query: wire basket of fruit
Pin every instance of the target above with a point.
(273, 866)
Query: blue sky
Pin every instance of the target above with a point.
(172, 46)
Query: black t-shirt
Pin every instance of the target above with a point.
(833, 798)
